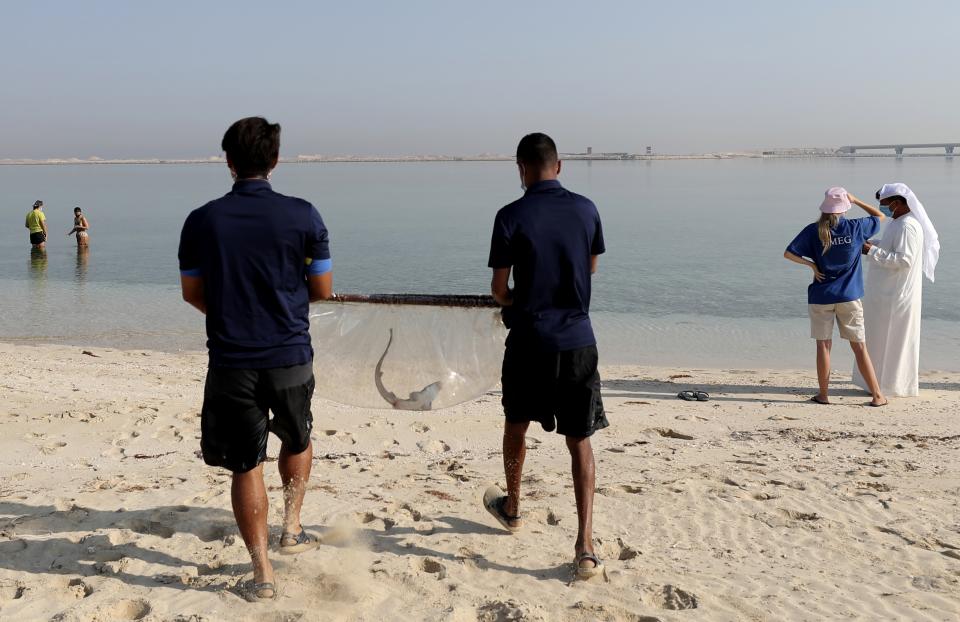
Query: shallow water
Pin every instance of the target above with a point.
(693, 276)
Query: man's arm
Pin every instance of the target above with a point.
(192, 289)
(500, 287)
(593, 263)
(320, 286)
(909, 245)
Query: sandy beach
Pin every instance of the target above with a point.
(756, 505)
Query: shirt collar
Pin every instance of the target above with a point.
(546, 184)
(250, 184)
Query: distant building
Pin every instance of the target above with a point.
(649, 150)
(589, 150)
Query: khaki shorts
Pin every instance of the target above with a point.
(849, 317)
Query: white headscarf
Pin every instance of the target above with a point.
(931, 241)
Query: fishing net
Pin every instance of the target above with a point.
(406, 352)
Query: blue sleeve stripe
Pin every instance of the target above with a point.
(191, 272)
(319, 266)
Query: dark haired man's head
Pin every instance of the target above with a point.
(252, 146)
(37, 204)
(537, 158)
(77, 210)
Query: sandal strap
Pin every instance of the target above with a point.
(589, 557)
(500, 508)
(299, 538)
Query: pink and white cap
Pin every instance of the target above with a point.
(835, 201)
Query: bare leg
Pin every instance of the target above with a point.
(823, 369)
(584, 481)
(294, 473)
(865, 365)
(250, 507)
(514, 453)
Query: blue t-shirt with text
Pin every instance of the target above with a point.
(547, 237)
(840, 266)
(254, 248)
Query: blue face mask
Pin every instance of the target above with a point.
(886, 211)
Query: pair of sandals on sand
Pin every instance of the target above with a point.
(587, 564)
(694, 396)
(290, 544)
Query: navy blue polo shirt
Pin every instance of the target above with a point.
(840, 266)
(254, 249)
(548, 237)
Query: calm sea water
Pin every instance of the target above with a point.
(694, 273)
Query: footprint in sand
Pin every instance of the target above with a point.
(670, 598)
(113, 452)
(127, 610)
(431, 566)
(50, 448)
(145, 419)
(433, 447)
(606, 611)
(11, 590)
(215, 532)
(344, 437)
(501, 611)
(419, 427)
(627, 551)
(147, 527)
(368, 518)
(671, 433)
(687, 418)
(414, 513)
(79, 588)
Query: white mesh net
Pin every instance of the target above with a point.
(405, 357)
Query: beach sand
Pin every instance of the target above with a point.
(756, 505)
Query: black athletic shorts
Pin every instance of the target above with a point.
(38, 238)
(234, 421)
(559, 389)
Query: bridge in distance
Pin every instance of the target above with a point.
(898, 148)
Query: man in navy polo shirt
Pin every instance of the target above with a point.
(252, 261)
(550, 238)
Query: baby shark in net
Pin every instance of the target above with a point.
(418, 400)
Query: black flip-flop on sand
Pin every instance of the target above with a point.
(878, 405)
(816, 401)
(493, 501)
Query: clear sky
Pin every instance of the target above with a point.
(164, 79)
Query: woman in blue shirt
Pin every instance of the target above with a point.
(831, 248)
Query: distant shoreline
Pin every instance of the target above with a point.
(477, 158)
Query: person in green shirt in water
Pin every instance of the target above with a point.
(37, 224)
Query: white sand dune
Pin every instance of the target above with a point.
(756, 505)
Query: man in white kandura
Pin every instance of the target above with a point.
(907, 251)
